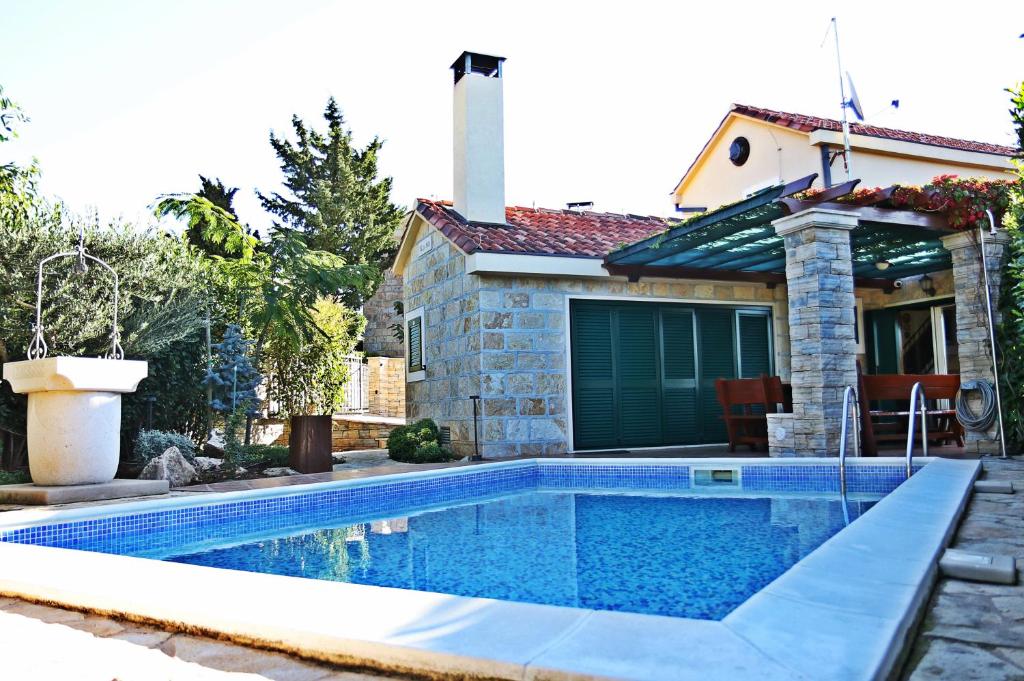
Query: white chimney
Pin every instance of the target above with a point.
(479, 139)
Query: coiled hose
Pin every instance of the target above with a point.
(982, 421)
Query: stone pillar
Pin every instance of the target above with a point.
(972, 333)
(819, 280)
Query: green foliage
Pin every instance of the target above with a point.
(153, 443)
(419, 442)
(334, 198)
(14, 477)
(161, 284)
(311, 379)
(216, 229)
(273, 455)
(1011, 331)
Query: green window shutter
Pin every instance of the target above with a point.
(717, 360)
(593, 389)
(415, 336)
(679, 376)
(755, 347)
(638, 375)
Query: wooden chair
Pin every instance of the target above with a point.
(745, 403)
(885, 401)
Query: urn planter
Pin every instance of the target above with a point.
(74, 415)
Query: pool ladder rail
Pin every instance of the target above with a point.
(917, 399)
(849, 396)
(917, 404)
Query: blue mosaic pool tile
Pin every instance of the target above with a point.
(564, 476)
(869, 479)
(157, 533)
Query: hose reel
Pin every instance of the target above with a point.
(983, 420)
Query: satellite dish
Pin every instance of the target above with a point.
(854, 102)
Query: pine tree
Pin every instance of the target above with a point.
(334, 197)
(233, 377)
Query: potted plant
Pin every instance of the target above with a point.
(307, 380)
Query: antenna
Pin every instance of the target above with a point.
(847, 155)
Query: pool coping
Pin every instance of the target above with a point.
(843, 612)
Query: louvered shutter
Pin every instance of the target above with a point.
(594, 406)
(679, 376)
(415, 339)
(717, 359)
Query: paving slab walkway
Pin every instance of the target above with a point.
(40, 642)
(971, 631)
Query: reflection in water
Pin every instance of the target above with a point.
(684, 557)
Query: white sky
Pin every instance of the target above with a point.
(606, 102)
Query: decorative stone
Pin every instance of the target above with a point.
(207, 463)
(279, 471)
(74, 415)
(170, 466)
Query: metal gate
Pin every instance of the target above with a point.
(357, 387)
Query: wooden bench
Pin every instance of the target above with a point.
(745, 403)
(889, 422)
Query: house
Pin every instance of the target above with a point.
(755, 148)
(540, 332)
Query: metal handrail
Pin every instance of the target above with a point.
(917, 397)
(847, 394)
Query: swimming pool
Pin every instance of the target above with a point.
(664, 554)
(635, 568)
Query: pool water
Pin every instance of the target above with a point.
(664, 554)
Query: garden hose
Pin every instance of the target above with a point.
(982, 421)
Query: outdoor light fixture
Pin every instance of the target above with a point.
(883, 265)
(928, 286)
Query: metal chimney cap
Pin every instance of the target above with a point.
(474, 62)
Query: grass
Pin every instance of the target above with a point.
(14, 477)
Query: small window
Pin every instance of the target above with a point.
(739, 151)
(414, 331)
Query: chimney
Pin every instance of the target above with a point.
(479, 139)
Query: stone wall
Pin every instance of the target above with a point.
(436, 280)
(972, 329)
(379, 310)
(386, 386)
(348, 432)
(819, 275)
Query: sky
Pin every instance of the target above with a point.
(604, 101)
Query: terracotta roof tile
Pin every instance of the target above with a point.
(811, 123)
(542, 231)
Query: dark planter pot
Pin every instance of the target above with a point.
(309, 444)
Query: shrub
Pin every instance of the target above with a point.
(418, 442)
(14, 477)
(153, 443)
(276, 455)
(431, 452)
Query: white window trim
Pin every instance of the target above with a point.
(861, 330)
(414, 376)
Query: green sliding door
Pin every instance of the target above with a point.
(643, 374)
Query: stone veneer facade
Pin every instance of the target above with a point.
(378, 337)
(504, 337)
(972, 330)
(822, 309)
(386, 386)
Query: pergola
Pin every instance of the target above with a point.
(822, 245)
(738, 242)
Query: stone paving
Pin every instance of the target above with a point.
(40, 642)
(975, 631)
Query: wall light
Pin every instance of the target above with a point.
(928, 286)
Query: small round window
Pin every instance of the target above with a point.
(739, 151)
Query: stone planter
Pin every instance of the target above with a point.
(74, 415)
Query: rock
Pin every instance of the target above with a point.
(214, 445)
(207, 463)
(170, 466)
(279, 471)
